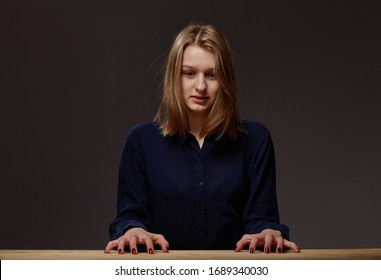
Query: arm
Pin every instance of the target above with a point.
(132, 200)
(261, 216)
(131, 225)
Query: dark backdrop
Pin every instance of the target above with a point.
(76, 75)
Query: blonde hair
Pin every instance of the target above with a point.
(223, 117)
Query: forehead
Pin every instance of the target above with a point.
(197, 56)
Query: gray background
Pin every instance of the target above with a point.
(76, 75)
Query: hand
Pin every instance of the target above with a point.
(135, 236)
(268, 238)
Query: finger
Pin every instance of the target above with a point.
(253, 244)
(268, 242)
(160, 240)
(121, 244)
(111, 245)
(292, 246)
(239, 246)
(149, 244)
(242, 243)
(279, 244)
(133, 246)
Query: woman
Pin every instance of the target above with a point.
(197, 177)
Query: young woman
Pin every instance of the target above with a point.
(198, 177)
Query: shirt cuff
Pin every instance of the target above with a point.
(258, 227)
(120, 226)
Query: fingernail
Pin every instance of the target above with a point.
(279, 250)
(120, 251)
(267, 250)
(150, 251)
(105, 251)
(251, 250)
(134, 251)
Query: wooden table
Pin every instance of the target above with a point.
(321, 254)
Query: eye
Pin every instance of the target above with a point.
(211, 75)
(188, 73)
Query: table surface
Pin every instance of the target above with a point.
(320, 254)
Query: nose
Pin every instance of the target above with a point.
(200, 83)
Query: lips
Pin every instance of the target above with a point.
(199, 99)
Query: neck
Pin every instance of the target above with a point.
(196, 124)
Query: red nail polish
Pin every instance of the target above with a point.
(267, 250)
(279, 250)
(251, 250)
(134, 251)
(120, 251)
(150, 251)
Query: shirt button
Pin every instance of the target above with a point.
(201, 183)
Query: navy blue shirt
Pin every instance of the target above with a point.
(198, 198)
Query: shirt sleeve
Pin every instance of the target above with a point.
(132, 200)
(261, 210)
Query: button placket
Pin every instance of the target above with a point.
(200, 195)
(200, 191)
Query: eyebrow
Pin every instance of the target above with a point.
(189, 66)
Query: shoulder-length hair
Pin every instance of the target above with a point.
(223, 117)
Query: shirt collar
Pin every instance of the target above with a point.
(213, 137)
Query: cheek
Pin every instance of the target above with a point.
(215, 89)
(185, 86)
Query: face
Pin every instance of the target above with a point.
(199, 84)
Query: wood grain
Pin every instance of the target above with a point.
(321, 254)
